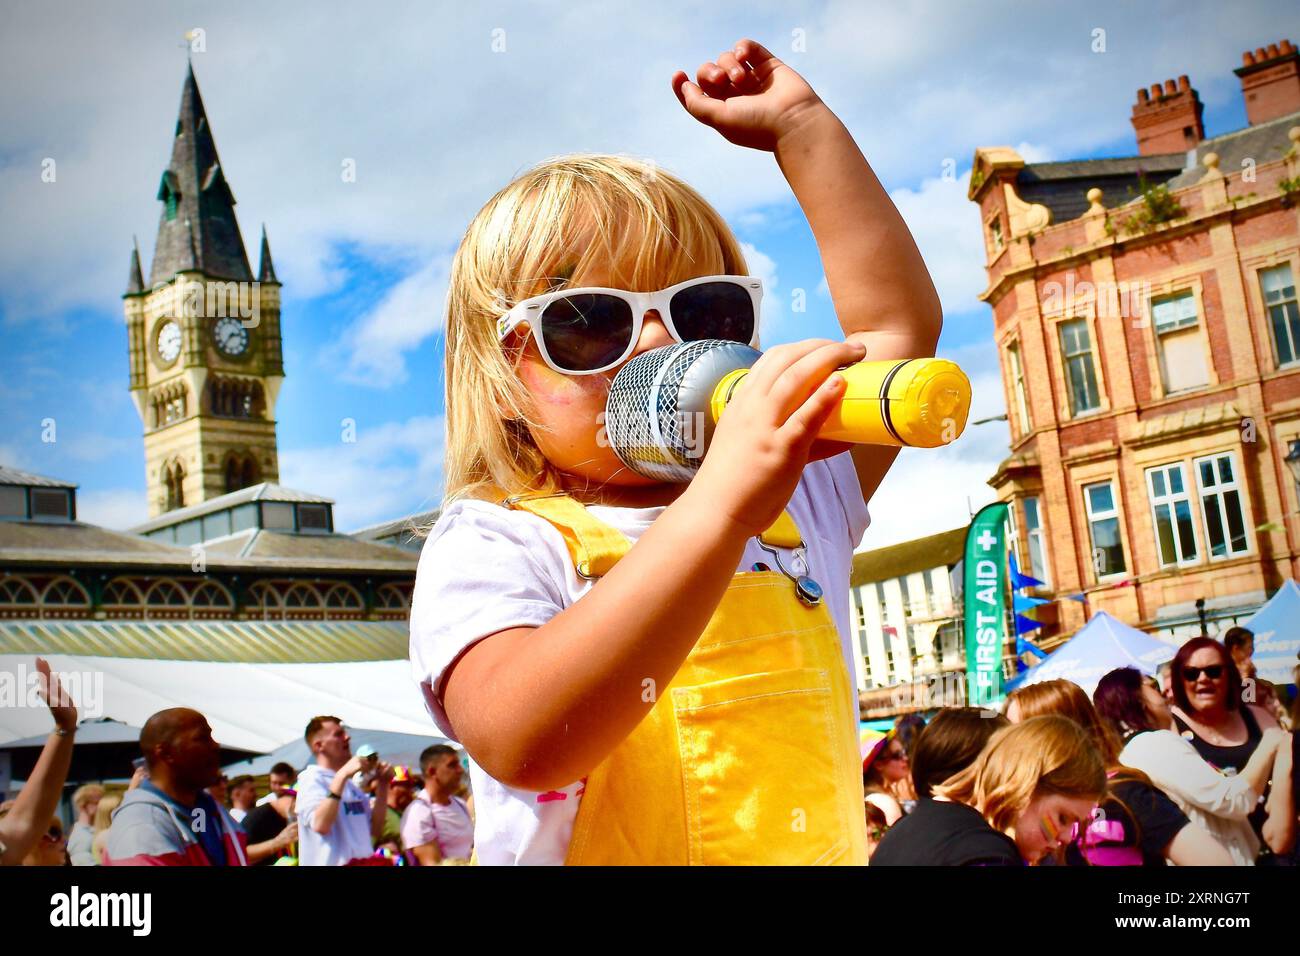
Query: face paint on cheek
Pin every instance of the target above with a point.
(1050, 832)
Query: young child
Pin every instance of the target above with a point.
(634, 677)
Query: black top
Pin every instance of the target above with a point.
(1231, 760)
(1225, 759)
(1150, 821)
(940, 833)
(261, 824)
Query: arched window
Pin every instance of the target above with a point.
(121, 592)
(302, 596)
(236, 397)
(241, 471)
(344, 597)
(264, 601)
(166, 593)
(392, 598)
(65, 592)
(17, 592)
(209, 594)
(174, 485)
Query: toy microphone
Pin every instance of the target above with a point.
(664, 404)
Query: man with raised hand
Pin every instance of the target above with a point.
(337, 825)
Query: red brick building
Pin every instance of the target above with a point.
(1146, 316)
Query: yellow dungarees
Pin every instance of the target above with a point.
(750, 754)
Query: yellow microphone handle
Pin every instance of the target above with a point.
(915, 403)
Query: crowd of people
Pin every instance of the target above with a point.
(179, 809)
(1199, 772)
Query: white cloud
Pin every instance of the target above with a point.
(916, 84)
(946, 227)
(117, 508)
(376, 477)
(773, 311)
(372, 349)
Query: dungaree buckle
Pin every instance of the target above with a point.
(805, 588)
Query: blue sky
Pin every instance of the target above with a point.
(436, 121)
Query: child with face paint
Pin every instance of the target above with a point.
(1034, 782)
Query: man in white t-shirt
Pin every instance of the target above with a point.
(437, 825)
(337, 825)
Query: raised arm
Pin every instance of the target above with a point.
(881, 289)
(35, 804)
(1175, 766)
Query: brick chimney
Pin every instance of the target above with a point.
(1168, 119)
(1270, 81)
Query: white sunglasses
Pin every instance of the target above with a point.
(590, 330)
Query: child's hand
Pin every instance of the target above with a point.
(748, 95)
(767, 434)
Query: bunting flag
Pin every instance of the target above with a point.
(1025, 603)
(1025, 646)
(1020, 581)
(1025, 624)
(1080, 597)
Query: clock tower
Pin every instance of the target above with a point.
(204, 335)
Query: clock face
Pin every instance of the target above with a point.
(169, 341)
(231, 336)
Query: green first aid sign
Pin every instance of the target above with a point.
(985, 590)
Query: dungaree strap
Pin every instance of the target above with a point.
(595, 547)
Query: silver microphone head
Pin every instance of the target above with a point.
(657, 416)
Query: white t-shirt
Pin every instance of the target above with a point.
(349, 838)
(485, 568)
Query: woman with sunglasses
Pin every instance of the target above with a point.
(1133, 707)
(884, 767)
(1216, 710)
(617, 653)
(51, 849)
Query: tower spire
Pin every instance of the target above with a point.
(198, 226)
(266, 269)
(135, 281)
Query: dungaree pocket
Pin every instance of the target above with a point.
(762, 777)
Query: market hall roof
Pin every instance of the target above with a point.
(243, 642)
(12, 476)
(266, 491)
(883, 564)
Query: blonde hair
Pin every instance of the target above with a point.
(1041, 755)
(104, 813)
(548, 224)
(85, 794)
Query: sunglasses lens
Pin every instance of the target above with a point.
(714, 310)
(586, 331)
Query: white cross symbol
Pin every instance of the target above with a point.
(987, 539)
